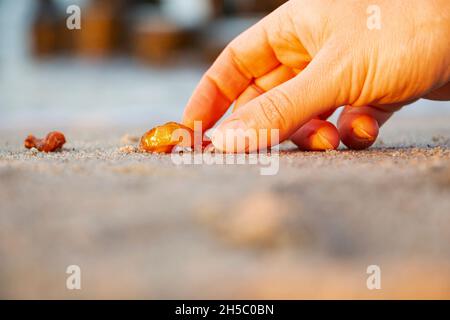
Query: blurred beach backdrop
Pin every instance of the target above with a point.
(132, 63)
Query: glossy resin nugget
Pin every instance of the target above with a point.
(51, 143)
(161, 139)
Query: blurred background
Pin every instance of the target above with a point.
(133, 62)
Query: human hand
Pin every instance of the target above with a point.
(307, 58)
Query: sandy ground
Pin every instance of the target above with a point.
(141, 227)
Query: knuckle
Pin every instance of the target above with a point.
(272, 110)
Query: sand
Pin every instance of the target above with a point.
(140, 227)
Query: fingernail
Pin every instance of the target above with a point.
(362, 134)
(231, 136)
(325, 139)
(365, 128)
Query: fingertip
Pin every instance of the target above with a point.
(188, 122)
(359, 131)
(317, 135)
(326, 138)
(207, 105)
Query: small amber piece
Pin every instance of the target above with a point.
(160, 140)
(52, 142)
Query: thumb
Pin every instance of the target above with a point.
(316, 90)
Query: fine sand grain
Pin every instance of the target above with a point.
(141, 227)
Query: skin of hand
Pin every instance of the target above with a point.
(295, 67)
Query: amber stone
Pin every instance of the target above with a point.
(160, 139)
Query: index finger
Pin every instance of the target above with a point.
(247, 57)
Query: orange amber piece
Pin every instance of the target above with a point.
(52, 142)
(160, 139)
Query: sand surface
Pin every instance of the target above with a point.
(141, 227)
